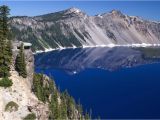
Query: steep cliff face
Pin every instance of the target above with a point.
(29, 59)
(36, 96)
(74, 28)
(21, 94)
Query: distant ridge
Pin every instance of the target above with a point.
(74, 28)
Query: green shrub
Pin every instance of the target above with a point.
(6, 82)
(30, 116)
(11, 106)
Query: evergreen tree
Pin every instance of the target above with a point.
(54, 107)
(20, 64)
(37, 87)
(4, 13)
(5, 43)
(80, 110)
(63, 107)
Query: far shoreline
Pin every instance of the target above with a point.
(143, 45)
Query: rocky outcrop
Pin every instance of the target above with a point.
(21, 93)
(74, 28)
(34, 95)
(29, 59)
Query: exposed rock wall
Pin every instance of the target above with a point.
(29, 59)
(21, 94)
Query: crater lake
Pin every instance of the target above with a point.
(112, 83)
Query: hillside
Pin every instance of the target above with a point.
(74, 28)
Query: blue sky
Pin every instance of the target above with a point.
(145, 9)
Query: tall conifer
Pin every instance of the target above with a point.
(5, 43)
(20, 64)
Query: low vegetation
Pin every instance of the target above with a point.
(11, 106)
(5, 82)
(30, 116)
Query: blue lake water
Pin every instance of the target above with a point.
(123, 93)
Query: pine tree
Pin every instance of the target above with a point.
(5, 43)
(80, 110)
(4, 13)
(63, 107)
(54, 107)
(20, 64)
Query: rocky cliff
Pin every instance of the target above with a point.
(29, 58)
(74, 28)
(21, 94)
(34, 96)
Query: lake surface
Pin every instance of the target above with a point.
(116, 83)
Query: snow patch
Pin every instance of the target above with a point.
(74, 10)
(100, 16)
(94, 46)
